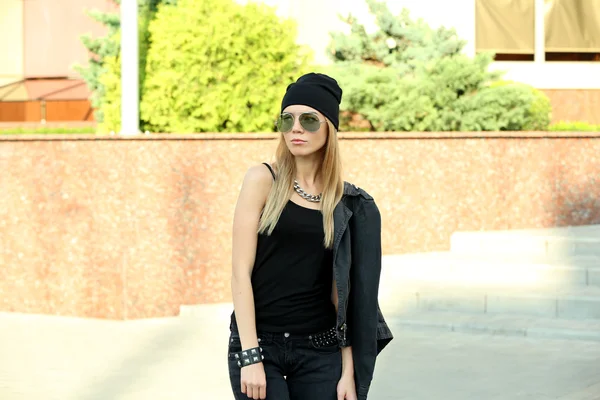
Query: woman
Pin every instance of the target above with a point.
(306, 264)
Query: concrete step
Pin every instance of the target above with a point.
(576, 303)
(566, 260)
(501, 325)
(212, 316)
(554, 242)
(483, 270)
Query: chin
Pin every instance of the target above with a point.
(300, 152)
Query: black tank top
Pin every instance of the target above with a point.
(292, 275)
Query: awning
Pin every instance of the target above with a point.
(505, 26)
(572, 26)
(45, 89)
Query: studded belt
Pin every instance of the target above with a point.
(324, 339)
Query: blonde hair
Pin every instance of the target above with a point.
(281, 190)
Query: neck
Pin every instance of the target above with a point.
(307, 170)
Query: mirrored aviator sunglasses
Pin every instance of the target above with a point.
(309, 121)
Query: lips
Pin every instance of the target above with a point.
(298, 141)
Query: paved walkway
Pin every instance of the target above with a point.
(46, 358)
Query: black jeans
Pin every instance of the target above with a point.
(297, 367)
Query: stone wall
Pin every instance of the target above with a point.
(575, 105)
(123, 228)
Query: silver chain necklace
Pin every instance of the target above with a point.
(306, 196)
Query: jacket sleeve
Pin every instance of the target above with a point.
(365, 273)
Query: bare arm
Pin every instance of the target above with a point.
(251, 200)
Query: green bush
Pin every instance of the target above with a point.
(503, 108)
(540, 108)
(111, 102)
(574, 126)
(217, 66)
(448, 94)
(407, 76)
(47, 130)
(400, 42)
(99, 48)
(104, 64)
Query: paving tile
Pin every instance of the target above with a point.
(183, 358)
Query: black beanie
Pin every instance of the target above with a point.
(318, 91)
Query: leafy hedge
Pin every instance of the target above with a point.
(47, 130)
(575, 126)
(217, 66)
(111, 104)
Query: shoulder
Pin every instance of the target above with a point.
(352, 190)
(257, 182)
(259, 174)
(361, 202)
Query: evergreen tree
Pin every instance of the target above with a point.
(105, 51)
(407, 76)
(100, 48)
(399, 42)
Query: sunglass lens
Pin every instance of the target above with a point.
(310, 122)
(285, 122)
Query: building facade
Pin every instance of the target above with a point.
(553, 45)
(39, 45)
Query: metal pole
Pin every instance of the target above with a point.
(129, 68)
(471, 47)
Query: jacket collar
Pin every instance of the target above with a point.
(350, 189)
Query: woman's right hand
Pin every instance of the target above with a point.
(254, 381)
(251, 201)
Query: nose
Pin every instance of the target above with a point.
(297, 128)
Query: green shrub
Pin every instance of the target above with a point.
(407, 76)
(400, 42)
(574, 126)
(448, 94)
(540, 108)
(502, 108)
(99, 48)
(47, 130)
(217, 66)
(111, 102)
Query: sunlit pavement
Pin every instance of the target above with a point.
(43, 357)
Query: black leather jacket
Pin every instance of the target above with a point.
(357, 268)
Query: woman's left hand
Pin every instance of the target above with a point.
(346, 389)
